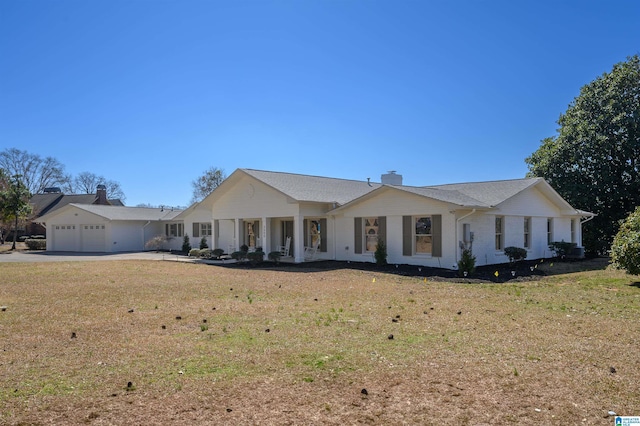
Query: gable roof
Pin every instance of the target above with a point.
(305, 188)
(490, 193)
(118, 212)
(45, 203)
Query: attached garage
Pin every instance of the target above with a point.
(63, 238)
(93, 238)
(99, 228)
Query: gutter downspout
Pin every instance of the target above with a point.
(458, 223)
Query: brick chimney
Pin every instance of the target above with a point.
(101, 196)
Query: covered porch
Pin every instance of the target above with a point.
(298, 238)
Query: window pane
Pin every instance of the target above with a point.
(424, 244)
(423, 226)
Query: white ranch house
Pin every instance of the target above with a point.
(337, 219)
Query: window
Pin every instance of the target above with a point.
(549, 231)
(174, 229)
(423, 236)
(527, 232)
(314, 233)
(371, 232)
(205, 229)
(201, 229)
(499, 233)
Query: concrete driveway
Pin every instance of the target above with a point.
(47, 256)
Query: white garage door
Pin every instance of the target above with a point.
(93, 237)
(64, 238)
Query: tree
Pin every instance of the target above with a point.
(594, 160)
(625, 250)
(205, 184)
(36, 173)
(87, 183)
(14, 204)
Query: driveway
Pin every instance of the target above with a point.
(47, 256)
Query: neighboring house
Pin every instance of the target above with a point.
(53, 198)
(339, 219)
(427, 226)
(100, 228)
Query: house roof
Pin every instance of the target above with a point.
(46, 203)
(313, 188)
(119, 212)
(490, 193)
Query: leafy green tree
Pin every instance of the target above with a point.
(205, 184)
(14, 204)
(625, 250)
(594, 160)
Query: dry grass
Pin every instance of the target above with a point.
(299, 347)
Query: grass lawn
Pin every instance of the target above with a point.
(141, 342)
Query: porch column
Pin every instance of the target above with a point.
(298, 238)
(266, 234)
(238, 232)
(215, 230)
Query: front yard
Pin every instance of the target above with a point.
(141, 342)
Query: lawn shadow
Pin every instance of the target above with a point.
(635, 284)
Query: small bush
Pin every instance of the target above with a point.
(203, 243)
(206, 254)
(562, 248)
(217, 253)
(244, 248)
(36, 244)
(156, 243)
(255, 257)
(186, 245)
(194, 253)
(515, 254)
(467, 263)
(381, 253)
(239, 255)
(275, 256)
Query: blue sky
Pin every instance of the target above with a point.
(153, 93)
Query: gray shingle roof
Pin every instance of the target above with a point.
(490, 193)
(128, 213)
(446, 195)
(313, 188)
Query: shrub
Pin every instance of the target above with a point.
(244, 248)
(217, 253)
(274, 256)
(515, 254)
(186, 245)
(255, 257)
(625, 250)
(381, 253)
(194, 253)
(203, 243)
(36, 244)
(562, 248)
(467, 262)
(156, 243)
(206, 254)
(239, 255)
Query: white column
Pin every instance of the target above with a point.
(298, 238)
(266, 234)
(215, 230)
(238, 231)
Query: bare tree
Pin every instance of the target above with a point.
(206, 183)
(36, 173)
(87, 183)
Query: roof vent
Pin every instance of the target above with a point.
(391, 178)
